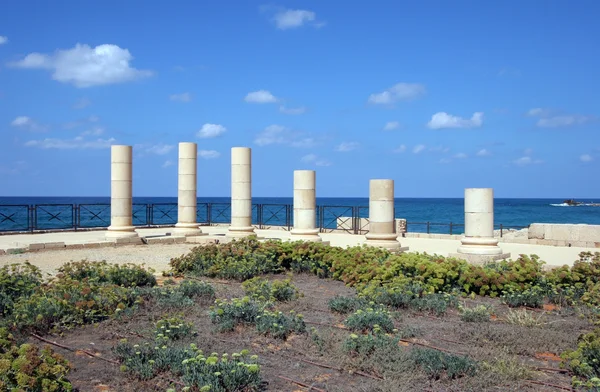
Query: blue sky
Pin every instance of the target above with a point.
(437, 95)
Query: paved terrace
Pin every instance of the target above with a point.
(50, 250)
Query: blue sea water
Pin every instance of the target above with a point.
(508, 212)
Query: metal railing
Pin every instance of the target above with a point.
(329, 218)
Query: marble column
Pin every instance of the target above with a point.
(479, 240)
(305, 207)
(187, 191)
(241, 192)
(382, 224)
(121, 218)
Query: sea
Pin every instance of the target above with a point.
(438, 212)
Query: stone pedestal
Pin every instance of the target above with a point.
(187, 191)
(382, 224)
(305, 207)
(241, 193)
(121, 218)
(478, 244)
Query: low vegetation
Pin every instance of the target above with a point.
(371, 330)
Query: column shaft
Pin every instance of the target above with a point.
(241, 192)
(479, 223)
(305, 204)
(121, 217)
(382, 225)
(187, 190)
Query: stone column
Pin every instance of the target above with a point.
(479, 244)
(382, 224)
(121, 218)
(241, 192)
(187, 191)
(305, 205)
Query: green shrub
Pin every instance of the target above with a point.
(365, 345)
(584, 362)
(127, 275)
(235, 372)
(27, 368)
(228, 314)
(173, 328)
(532, 297)
(66, 302)
(478, 314)
(262, 289)
(437, 363)
(370, 319)
(181, 295)
(344, 305)
(279, 325)
(411, 296)
(16, 281)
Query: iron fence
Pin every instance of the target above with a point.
(329, 218)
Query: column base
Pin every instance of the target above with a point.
(480, 259)
(187, 229)
(121, 232)
(305, 235)
(240, 232)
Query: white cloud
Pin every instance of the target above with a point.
(159, 149)
(278, 134)
(547, 120)
(586, 158)
(442, 120)
(314, 159)
(167, 163)
(528, 151)
(96, 131)
(183, 97)
(289, 19)
(28, 124)
(211, 130)
(400, 149)
(483, 153)
(346, 146)
(82, 103)
(3, 39)
(445, 160)
(80, 122)
(398, 92)
(14, 168)
(209, 154)
(563, 121)
(460, 155)
(418, 148)
(441, 149)
(84, 66)
(260, 96)
(526, 160)
(538, 112)
(70, 144)
(293, 111)
(391, 125)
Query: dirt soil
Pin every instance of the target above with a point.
(514, 349)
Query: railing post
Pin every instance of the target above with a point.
(501, 231)
(427, 227)
(30, 218)
(75, 223)
(208, 213)
(356, 222)
(450, 228)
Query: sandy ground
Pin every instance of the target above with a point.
(157, 256)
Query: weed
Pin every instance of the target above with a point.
(127, 275)
(228, 314)
(263, 290)
(344, 305)
(183, 294)
(16, 281)
(370, 319)
(365, 345)
(279, 325)
(173, 328)
(524, 318)
(437, 363)
(584, 362)
(478, 314)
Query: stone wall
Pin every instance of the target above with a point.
(565, 234)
